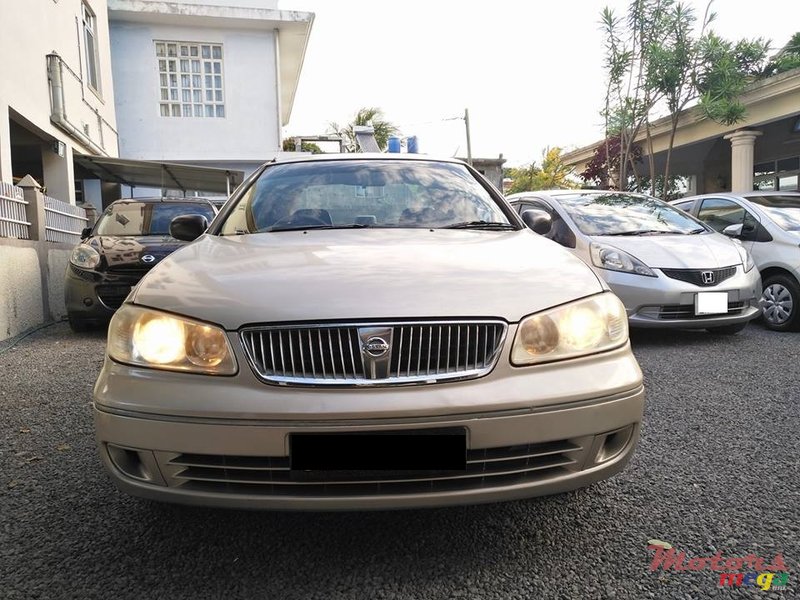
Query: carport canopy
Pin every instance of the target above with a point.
(164, 175)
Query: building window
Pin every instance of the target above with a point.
(90, 46)
(190, 79)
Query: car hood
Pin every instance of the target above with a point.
(365, 274)
(701, 251)
(128, 251)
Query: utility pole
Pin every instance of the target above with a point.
(469, 143)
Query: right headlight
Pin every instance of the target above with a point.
(614, 259)
(85, 257)
(587, 326)
(149, 338)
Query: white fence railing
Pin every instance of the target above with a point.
(13, 214)
(63, 222)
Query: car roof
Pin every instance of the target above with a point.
(737, 195)
(366, 156)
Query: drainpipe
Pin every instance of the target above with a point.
(58, 115)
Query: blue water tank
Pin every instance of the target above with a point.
(411, 145)
(394, 144)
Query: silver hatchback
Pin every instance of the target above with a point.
(669, 269)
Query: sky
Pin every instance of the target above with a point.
(529, 71)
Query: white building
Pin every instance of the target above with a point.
(56, 90)
(208, 83)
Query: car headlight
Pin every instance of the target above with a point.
(588, 326)
(747, 259)
(614, 259)
(149, 338)
(85, 257)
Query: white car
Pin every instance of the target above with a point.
(667, 267)
(768, 226)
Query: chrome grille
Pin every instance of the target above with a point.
(695, 276)
(373, 353)
(486, 468)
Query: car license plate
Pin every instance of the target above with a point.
(419, 450)
(711, 303)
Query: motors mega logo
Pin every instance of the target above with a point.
(743, 571)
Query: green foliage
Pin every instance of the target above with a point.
(365, 116)
(657, 59)
(787, 60)
(288, 146)
(552, 174)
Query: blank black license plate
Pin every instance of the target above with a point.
(425, 450)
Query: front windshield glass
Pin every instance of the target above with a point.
(364, 193)
(146, 218)
(627, 214)
(784, 210)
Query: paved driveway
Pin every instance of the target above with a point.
(717, 470)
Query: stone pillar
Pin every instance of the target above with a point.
(36, 216)
(742, 150)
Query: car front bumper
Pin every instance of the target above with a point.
(529, 432)
(664, 302)
(94, 295)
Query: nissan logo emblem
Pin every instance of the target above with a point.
(376, 347)
(148, 258)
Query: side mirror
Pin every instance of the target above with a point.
(188, 227)
(733, 231)
(538, 220)
(86, 232)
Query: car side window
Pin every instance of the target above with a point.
(719, 213)
(684, 206)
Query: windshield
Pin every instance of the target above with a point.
(364, 193)
(784, 210)
(146, 218)
(627, 214)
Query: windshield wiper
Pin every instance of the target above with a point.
(641, 232)
(491, 225)
(698, 230)
(295, 228)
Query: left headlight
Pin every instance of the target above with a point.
(85, 256)
(747, 259)
(588, 326)
(148, 338)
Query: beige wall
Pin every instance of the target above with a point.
(32, 30)
(31, 284)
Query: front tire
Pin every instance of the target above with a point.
(781, 303)
(727, 329)
(79, 325)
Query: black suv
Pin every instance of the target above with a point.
(129, 239)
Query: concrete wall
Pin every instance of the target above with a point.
(31, 30)
(31, 284)
(249, 131)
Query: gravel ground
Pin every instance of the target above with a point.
(716, 470)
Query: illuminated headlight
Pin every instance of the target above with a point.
(747, 260)
(614, 259)
(587, 326)
(148, 338)
(85, 257)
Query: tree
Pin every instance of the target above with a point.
(288, 146)
(365, 116)
(656, 61)
(552, 174)
(786, 60)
